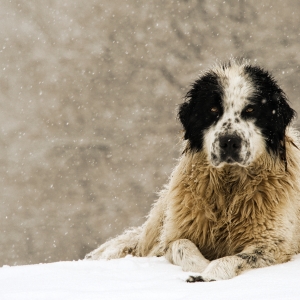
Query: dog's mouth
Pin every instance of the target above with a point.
(228, 161)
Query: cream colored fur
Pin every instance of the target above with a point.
(221, 221)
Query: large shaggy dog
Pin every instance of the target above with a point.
(233, 201)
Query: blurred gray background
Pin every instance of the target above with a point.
(88, 99)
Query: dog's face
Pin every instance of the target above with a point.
(234, 113)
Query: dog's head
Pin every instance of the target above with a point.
(235, 112)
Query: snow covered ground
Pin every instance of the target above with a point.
(142, 278)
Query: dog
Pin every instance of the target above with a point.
(233, 201)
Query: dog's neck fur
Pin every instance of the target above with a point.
(218, 189)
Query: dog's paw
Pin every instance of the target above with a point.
(199, 279)
(95, 255)
(109, 250)
(195, 279)
(105, 251)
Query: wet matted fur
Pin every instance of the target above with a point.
(232, 202)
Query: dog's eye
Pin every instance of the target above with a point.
(214, 109)
(249, 110)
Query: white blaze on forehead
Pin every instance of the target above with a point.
(236, 87)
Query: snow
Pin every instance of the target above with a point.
(142, 278)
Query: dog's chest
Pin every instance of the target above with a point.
(223, 211)
(226, 235)
(221, 219)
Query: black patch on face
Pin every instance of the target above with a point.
(269, 109)
(201, 109)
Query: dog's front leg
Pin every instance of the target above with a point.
(223, 268)
(184, 253)
(229, 266)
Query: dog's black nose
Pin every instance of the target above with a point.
(230, 147)
(230, 142)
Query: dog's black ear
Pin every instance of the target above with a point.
(184, 115)
(286, 112)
